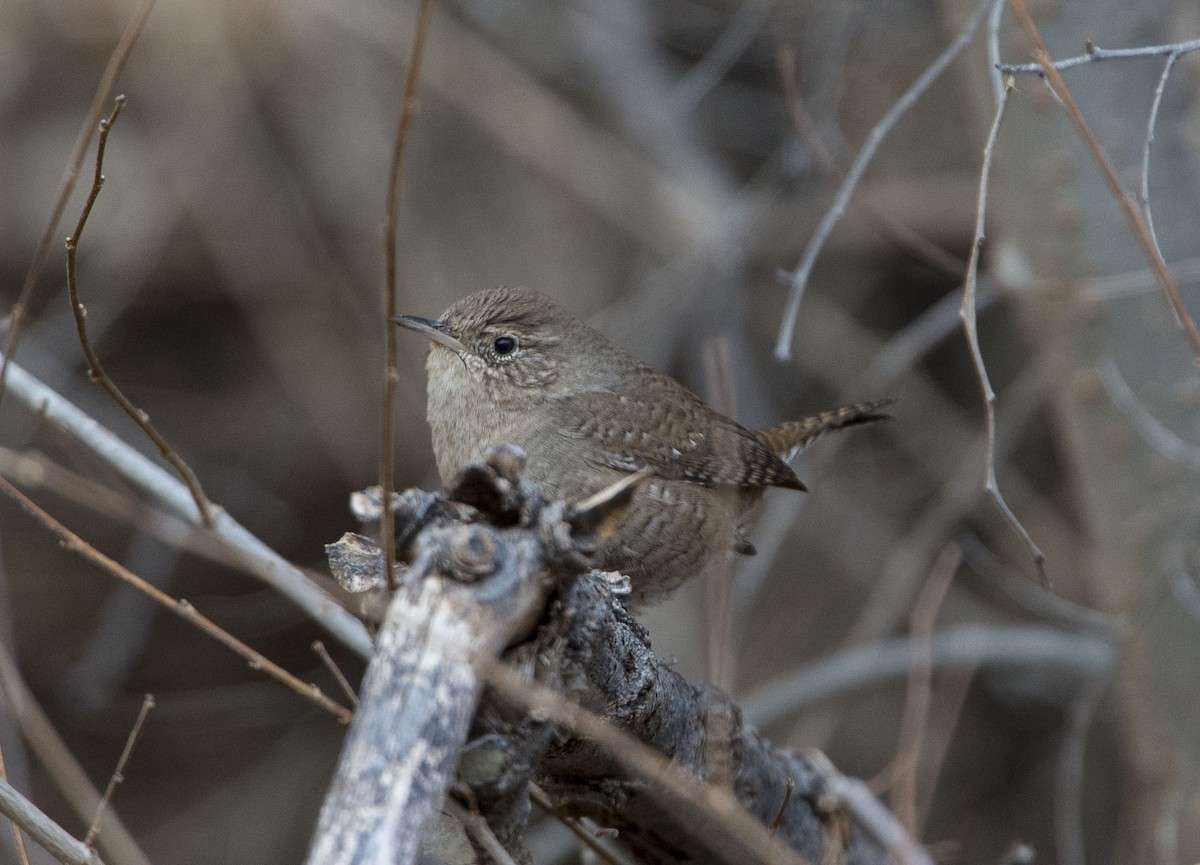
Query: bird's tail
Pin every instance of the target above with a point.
(788, 439)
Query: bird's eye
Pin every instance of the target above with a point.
(504, 345)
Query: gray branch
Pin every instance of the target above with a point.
(496, 571)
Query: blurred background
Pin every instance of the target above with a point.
(655, 166)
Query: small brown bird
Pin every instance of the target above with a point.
(509, 365)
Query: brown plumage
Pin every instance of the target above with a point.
(509, 365)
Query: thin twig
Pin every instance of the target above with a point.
(118, 774)
(116, 62)
(147, 476)
(338, 675)
(1151, 122)
(64, 771)
(904, 237)
(969, 315)
(577, 827)
(1095, 53)
(920, 676)
(55, 839)
(716, 804)
(799, 277)
(18, 835)
(477, 827)
(391, 374)
(95, 369)
(181, 608)
(1124, 199)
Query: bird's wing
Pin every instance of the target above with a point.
(676, 434)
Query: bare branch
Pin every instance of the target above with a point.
(1095, 53)
(799, 277)
(969, 315)
(987, 646)
(180, 608)
(120, 848)
(1150, 124)
(95, 369)
(1150, 428)
(391, 375)
(118, 774)
(116, 62)
(45, 831)
(253, 555)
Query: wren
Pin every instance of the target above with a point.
(509, 365)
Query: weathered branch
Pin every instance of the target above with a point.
(582, 705)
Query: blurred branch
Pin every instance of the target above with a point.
(254, 556)
(799, 277)
(57, 841)
(984, 645)
(116, 62)
(96, 370)
(1095, 53)
(1128, 207)
(915, 718)
(180, 608)
(391, 216)
(904, 237)
(1069, 832)
(1153, 433)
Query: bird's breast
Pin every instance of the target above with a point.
(468, 411)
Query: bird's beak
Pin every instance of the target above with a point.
(435, 330)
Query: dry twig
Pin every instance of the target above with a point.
(181, 608)
(118, 774)
(52, 752)
(969, 315)
(391, 374)
(144, 474)
(799, 277)
(95, 369)
(333, 668)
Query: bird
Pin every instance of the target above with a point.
(509, 365)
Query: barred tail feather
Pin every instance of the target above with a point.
(788, 439)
